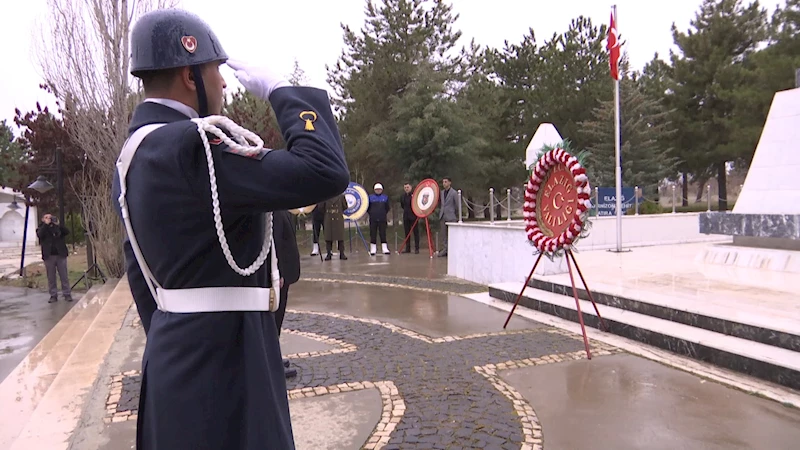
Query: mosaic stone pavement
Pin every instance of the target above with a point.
(438, 393)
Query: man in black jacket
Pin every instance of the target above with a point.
(409, 218)
(288, 266)
(54, 254)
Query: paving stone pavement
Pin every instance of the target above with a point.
(449, 401)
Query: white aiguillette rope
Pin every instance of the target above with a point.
(208, 125)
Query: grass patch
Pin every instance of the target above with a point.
(36, 275)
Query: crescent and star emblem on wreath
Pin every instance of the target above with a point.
(310, 117)
(189, 43)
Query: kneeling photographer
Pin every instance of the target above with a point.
(54, 254)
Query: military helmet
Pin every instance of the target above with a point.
(171, 38)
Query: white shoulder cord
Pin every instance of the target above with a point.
(207, 125)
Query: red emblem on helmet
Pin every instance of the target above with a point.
(189, 43)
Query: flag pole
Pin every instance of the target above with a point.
(618, 160)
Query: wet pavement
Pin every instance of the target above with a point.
(429, 313)
(408, 265)
(25, 318)
(388, 357)
(349, 417)
(628, 403)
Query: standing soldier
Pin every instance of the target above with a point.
(378, 211)
(196, 205)
(317, 220)
(288, 266)
(334, 224)
(409, 218)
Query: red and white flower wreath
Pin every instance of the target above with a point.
(577, 229)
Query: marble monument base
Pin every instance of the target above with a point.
(762, 241)
(783, 227)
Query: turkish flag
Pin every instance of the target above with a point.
(613, 47)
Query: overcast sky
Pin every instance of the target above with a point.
(276, 33)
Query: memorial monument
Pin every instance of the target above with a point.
(765, 222)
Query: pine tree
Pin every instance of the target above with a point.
(298, 76)
(12, 156)
(485, 103)
(645, 146)
(401, 39)
(256, 115)
(713, 87)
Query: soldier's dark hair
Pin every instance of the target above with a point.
(157, 81)
(448, 179)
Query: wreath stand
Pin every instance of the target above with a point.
(567, 255)
(557, 201)
(411, 230)
(360, 234)
(426, 187)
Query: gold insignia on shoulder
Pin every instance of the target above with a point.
(310, 117)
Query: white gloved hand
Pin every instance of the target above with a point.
(261, 81)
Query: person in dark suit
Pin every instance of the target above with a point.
(54, 254)
(317, 222)
(409, 218)
(448, 210)
(288, 265)
(212, 372)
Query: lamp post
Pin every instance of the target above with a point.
(14, 206)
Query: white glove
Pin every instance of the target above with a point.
(259, 80)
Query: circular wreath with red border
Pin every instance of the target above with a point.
(577, 225)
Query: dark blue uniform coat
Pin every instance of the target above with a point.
(215, 380)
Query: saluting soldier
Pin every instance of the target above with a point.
(212, 375)
(334, 224)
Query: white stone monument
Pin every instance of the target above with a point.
(765, 222)
(546, 134)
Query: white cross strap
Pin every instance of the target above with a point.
(195, 300)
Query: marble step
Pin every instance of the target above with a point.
(769, 363)
(59, 411)
(27, 384)
(762, 328)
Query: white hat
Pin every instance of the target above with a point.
(377, 186)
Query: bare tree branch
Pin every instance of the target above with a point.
(83, 52)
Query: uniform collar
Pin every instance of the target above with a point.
(176, 105)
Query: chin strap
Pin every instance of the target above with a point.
(202, 101)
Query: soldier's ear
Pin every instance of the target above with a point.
(187, 78)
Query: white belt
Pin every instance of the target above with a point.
(192, 300)
(215, 299)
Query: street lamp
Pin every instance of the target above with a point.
(41, 185)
